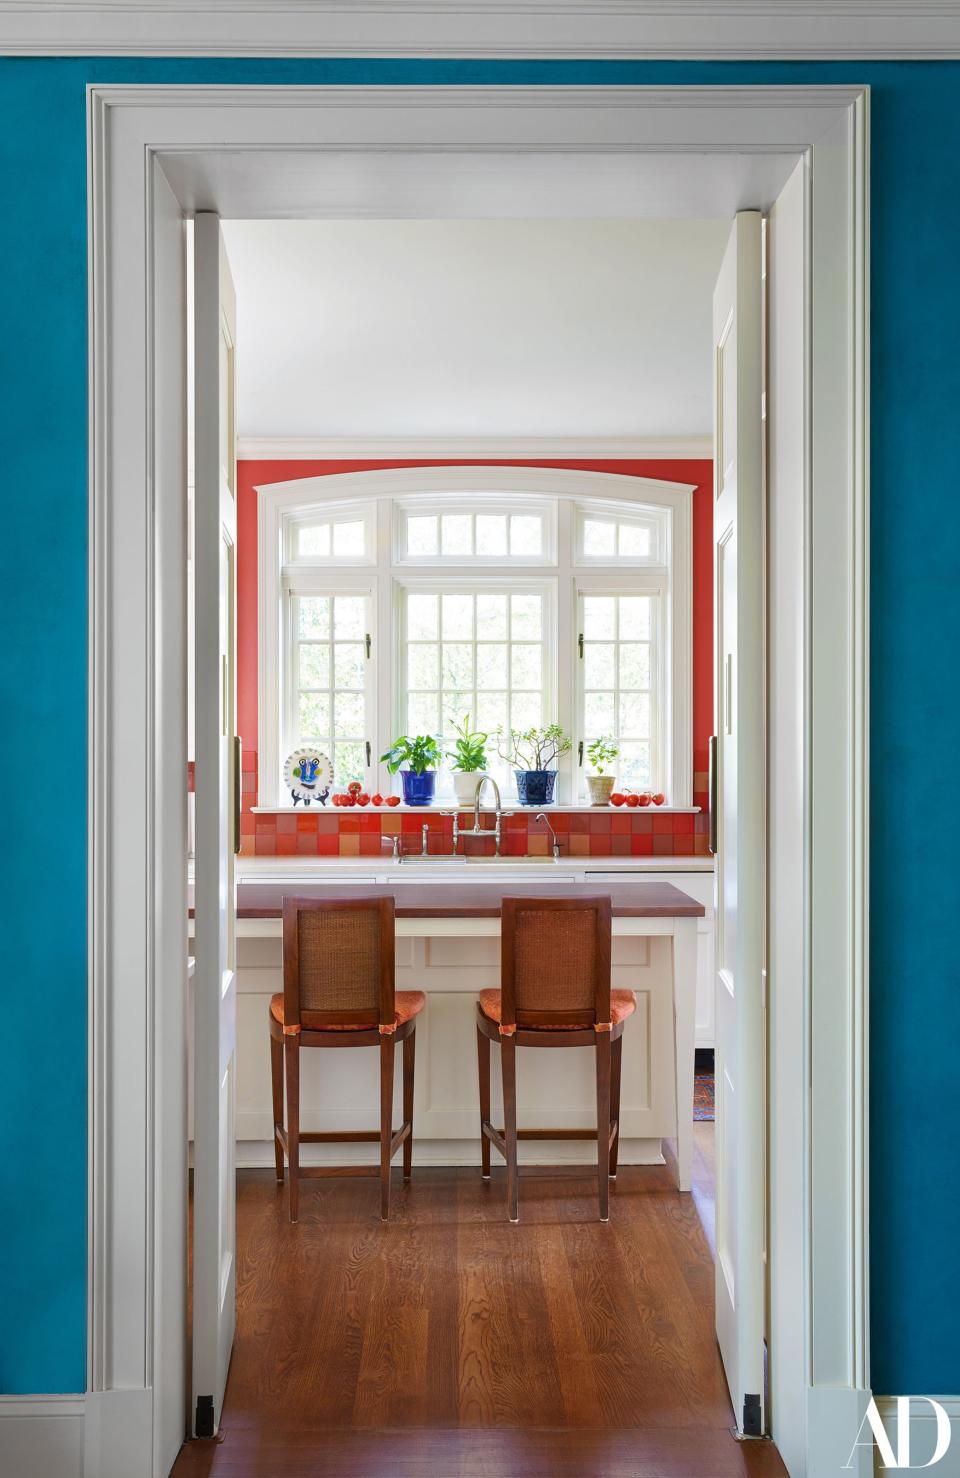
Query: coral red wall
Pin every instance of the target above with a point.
(250, 474)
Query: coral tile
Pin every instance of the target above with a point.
(265, 843)
(619, 846)
(307, 843)
(248, 824)
(370, 844)
(369, 822)
(248, 763)
(328, 846)
(349, 843)
(266, 822)
(560, 820)
(600, 844)
(641, 821)
(579, 844)
(663, 825)
(286, 843)
(348, 824)
(307, 823)
(641, 844)
(579, 821)
(391, 824)
(663, 846)
(683, 823)
(286, 824)
(326, 822)
(621, 823)
(538, 844)
(601, 821)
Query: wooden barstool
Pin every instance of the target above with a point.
(338, 991)
(554, 992)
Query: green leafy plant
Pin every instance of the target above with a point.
(418, 755)
(532, 749)
(602, 752)
(468, 753)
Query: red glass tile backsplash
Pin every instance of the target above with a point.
(581, 833)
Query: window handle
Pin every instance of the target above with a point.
(368, 645)
(580, 754)
(367, 748)
(580, 645)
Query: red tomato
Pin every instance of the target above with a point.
(645, 798)
(349, 800)
(377, 799)
(633, 800)
(617, 798)
(335, 799)
(659, 798)
(393, 800)
(362, 799)
(354, 788)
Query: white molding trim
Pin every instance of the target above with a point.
(275, 499)
(40, 1435)
(480, 449)
(618, 29)
(132, 129)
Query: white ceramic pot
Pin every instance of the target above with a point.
(465, 785)
(600, 788)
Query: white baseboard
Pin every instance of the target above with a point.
(923, 1433)
(255, 1154)
(118, 1438)
(41, 1436)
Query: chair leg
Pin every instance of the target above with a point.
(386, 1121)
(603, 1123)
(508, 1069)
(276, 1075)
(616, 1055)
(409, 1052)
(292, 1056)
(483, 1063)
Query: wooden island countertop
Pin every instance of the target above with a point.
(454, 900)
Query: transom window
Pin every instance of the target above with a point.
(542, 596)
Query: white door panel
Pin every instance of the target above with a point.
(740, 888)
(217, 782)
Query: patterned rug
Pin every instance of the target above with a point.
(703, 1097)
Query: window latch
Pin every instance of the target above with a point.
(367, 643)
(580, 754)
(580, 645)
(367, 748)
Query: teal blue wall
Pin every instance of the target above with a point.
(915, 982)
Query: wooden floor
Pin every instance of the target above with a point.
(454, 1345)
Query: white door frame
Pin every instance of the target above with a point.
(141, 138)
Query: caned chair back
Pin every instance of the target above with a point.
(555, 961)
(338, 962)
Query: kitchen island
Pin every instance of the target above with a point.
(447, 928)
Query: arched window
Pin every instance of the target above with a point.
(403, 601)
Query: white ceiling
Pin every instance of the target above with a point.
(406, 328)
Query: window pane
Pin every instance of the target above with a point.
(526, 535)
(599, 617)
(457, 616)
(599, 538)
(454, 707)
(423, 669)
(634, 540)
(348, 763)
(349, 541)
(315, 665)
(633, 764)
(599, 670)
(635, 715)
(492, 616)
(635, 617)
(348, 714)
(456, 536)
(349, 615)
(491, 715)
(457, 665)
(421, 616)
(348, 664)
(314, 615)
(525, 710)
(313, 719)
(422, 713)
(526, 666)
(526, 615)
(491, 533)
(491, 665)
(598, 715)
(422, 534)
(314, 540)
(634, 665)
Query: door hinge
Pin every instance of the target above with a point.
(751, 1417)
(580, 645)
(580, 753)
(203, 1423)
(367, 748)
(367, 643)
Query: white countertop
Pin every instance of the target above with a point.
(299, 869)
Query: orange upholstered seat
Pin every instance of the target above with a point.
(622, 1004)
(409, 1003)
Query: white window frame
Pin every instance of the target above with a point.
(337, 512)
(545, 508)
(563, 494)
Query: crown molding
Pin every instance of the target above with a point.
(494, 29)
(485, 449)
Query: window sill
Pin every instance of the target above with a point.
(438, 808)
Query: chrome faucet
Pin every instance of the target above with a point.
(477, 830)
(556, 844)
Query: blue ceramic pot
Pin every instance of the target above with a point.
(418, 789)
(535, 787)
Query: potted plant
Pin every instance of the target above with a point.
(601, 754)
(469, 760)
(417, 760)
(532, 752)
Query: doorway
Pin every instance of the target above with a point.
(185, 193)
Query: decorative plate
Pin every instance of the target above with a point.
(308, 775)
